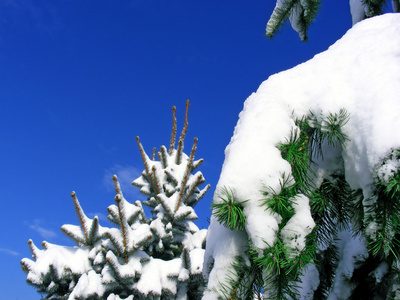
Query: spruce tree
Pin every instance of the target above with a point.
(139, 258)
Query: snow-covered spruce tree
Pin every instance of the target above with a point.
(140, 258)
(309, 194)
(56, 269)
(302, 13)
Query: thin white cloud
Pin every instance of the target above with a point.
(44, 233)
(8, 251)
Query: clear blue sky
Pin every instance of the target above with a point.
(79, 80)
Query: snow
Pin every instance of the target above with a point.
(380, 271)
(116, 297)
(388, 169)
(295, 18)
(299, 226)
(196, 261)
(309, 282)
(88, 285)
(359, 73)
(352, 251)
(159, 275)
(357, 10)
(222, 245)
(60, 258)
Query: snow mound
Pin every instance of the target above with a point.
(359, 73)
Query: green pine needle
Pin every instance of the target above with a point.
(230, 211)
(281, 203)
(374, 7)
(296, 152)
(332, 128)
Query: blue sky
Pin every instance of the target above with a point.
(79, 80)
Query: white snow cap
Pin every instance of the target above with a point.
(359, 73)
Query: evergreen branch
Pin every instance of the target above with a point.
(52, 289)
(140, 244)
(281, 203)
(295, 151)
(133, 216)
(141, 212)
(186, 259)
(153, 155)
(171, 178)
(179, 215)
(123, 224)
(306, 256)
(374, 7)
(196, 164)
(332, 208)
(245, 280)
(279, 16)
(327, 265)
(115, 244)
(280, 279)
(35, 250)
(357, 212)
(338, 193)
(117, 186)
(157, 185)
(165, 206)
(385, 244)
(178, 158)
(309, 136)
(80, 213)
(113, 216)
(88, 231)
(77, 240)
(311, 9)
(144, 158)
(26, 265)
(392, 188)
(326, 229)
(93, 231)
(44, 245)
(185, 178)
(199, 180)
(200, 195)
(173, 135)
(182, 137)
(163, 157)
(301, 14)
(112, 262)
(396, 6)
(331, 128)
(384, 212)
(229, 212)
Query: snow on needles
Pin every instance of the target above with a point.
(359, 73)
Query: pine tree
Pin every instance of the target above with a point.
(339, 215)
(302, 13)
(139, 258)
